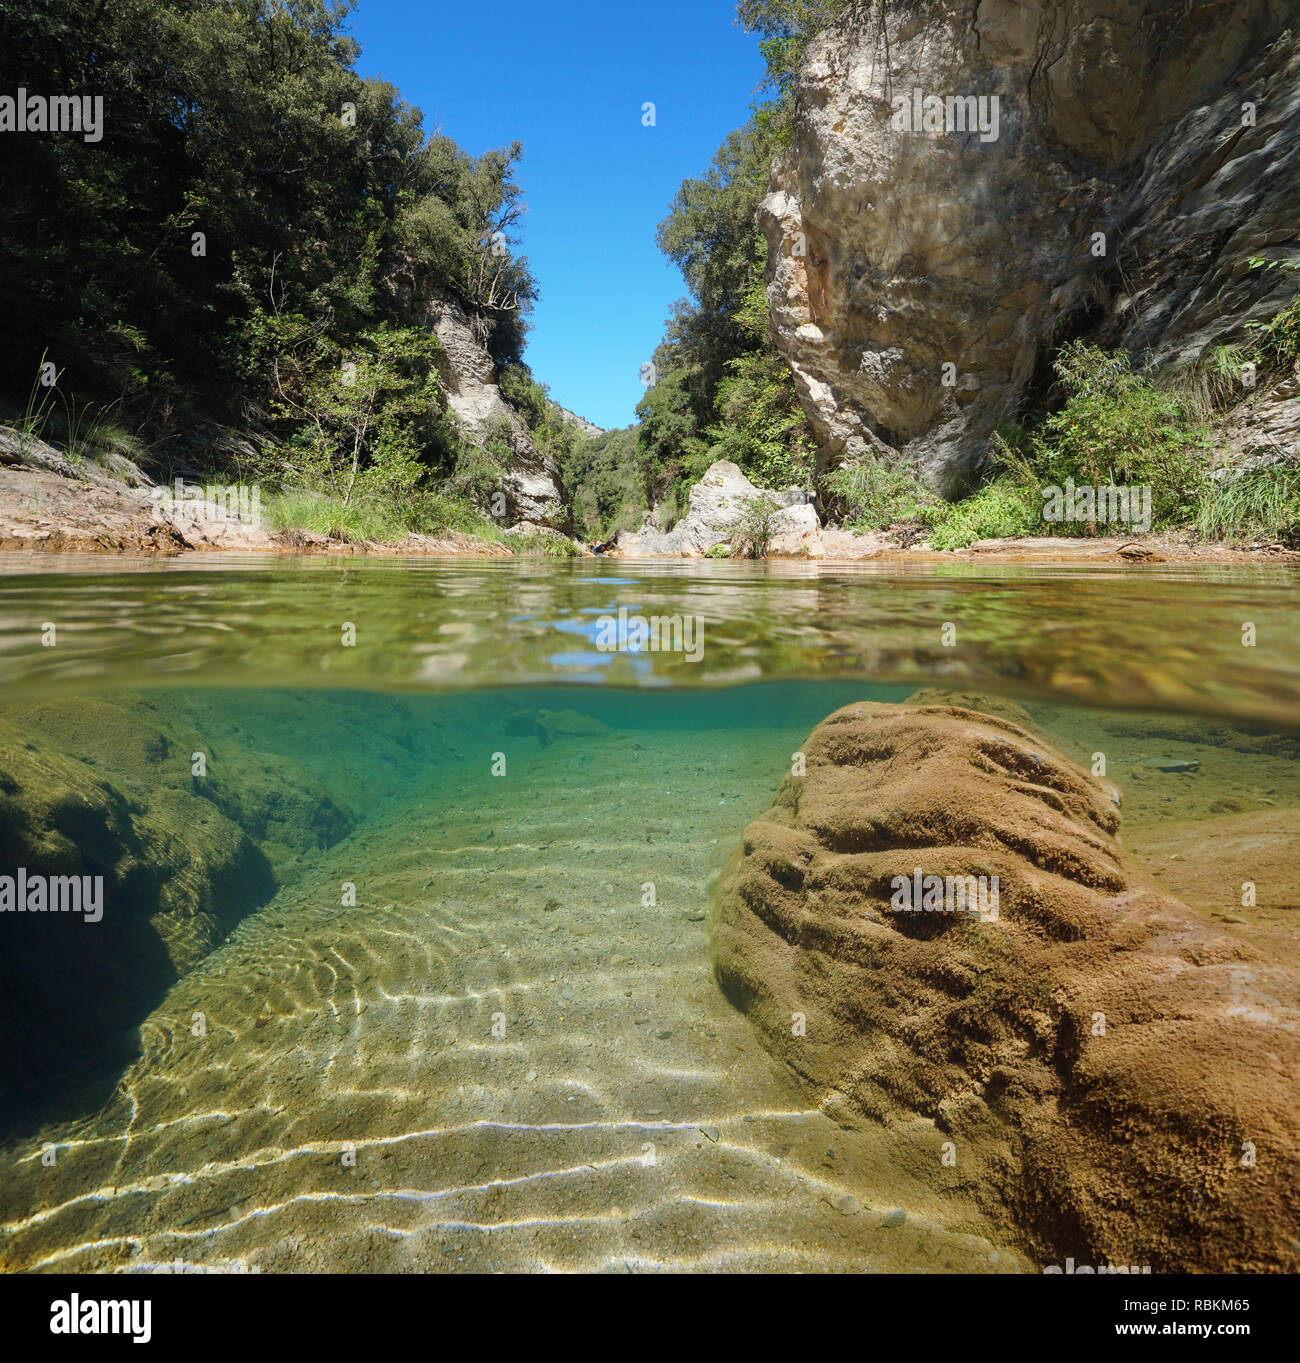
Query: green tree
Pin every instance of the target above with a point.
(722, 391)
(246, 167)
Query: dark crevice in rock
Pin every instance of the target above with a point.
(97, 788)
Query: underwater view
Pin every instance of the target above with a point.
(394, 926)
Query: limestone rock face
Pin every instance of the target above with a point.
(893, 252)
(1101, 1060)
(533, 487)
(579, 422)
(717, 507)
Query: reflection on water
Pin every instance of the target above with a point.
(1213, 639)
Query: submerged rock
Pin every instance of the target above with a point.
(548, 725)
(1116, 1074)
(109, 789)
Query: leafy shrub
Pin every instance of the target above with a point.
(1119, 427)
(873, 494)
(1003, 508)
(755, 530)
(763, 429)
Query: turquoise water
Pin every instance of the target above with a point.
(404, 957)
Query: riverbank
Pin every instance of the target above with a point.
(48, 504)
(46, 513)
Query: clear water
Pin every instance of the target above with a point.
(414, 974)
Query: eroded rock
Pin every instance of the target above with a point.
(1115, 1074)
(106, 788)
(718, 505)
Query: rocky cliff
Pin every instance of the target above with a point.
(533, 488)
(971, 184)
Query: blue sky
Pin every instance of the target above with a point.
(569, 79)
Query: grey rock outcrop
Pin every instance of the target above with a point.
(1167, 127)
(50, 501)
(533, 488)
(718, 505)
(581, 422)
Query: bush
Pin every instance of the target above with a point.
(1004, 508)
(756, 525)
(873, 495)
(524, 394)
(1118, 427)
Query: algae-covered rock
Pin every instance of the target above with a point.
(186, 837)
(548, 725)
(1116, 1074)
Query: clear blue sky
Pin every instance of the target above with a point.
(568, 79)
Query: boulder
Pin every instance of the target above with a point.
(796, 532)
(1112, 1074)
(716, 511)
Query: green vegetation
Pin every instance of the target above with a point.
(874, 495)
(1278, 341)
(1115, 427)
(605, 475)
(786, 27)
(548, 546)
(1118, 426)
(1003, 508)
(1260, 504)
(257, 242)
(721, 392)
(756, 526)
